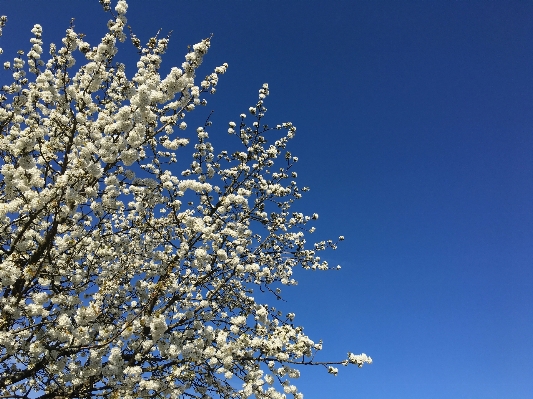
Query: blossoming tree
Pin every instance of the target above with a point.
(119, 277)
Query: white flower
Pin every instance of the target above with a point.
(158, 326)
(222, 255)
(261, 314)
(133, 371)
(149, 385)
(238, 320)
(359, 359)
(121, 7)
(129, 156)
(64, 321)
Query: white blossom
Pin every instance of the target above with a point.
(158, 327)
(121, 275)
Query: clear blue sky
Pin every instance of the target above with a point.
(415, 133)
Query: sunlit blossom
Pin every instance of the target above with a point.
(123, 275)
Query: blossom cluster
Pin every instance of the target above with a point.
(120, 277)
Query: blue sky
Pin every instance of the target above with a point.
(415, 123)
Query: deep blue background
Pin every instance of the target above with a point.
(415, 134)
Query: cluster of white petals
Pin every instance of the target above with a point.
(120, 278)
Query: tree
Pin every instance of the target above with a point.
(119, 278)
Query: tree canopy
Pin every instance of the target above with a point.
(121, 276)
